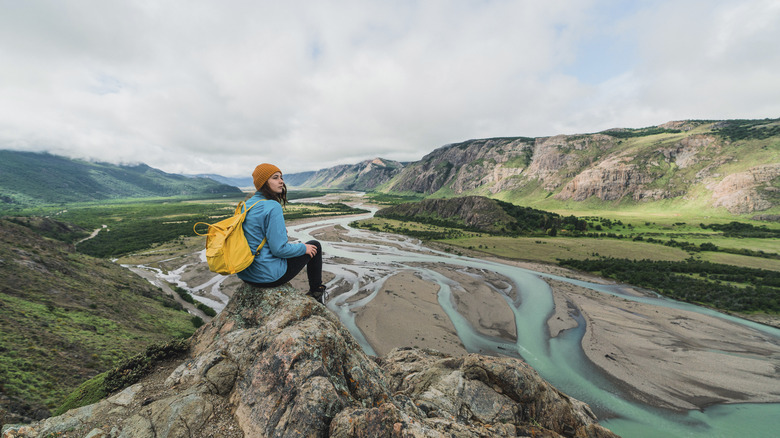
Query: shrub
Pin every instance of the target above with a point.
(127, 373)
(197, 321)
(206, 309)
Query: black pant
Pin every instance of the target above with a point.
(296, 264)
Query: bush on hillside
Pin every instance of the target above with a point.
(127, 373)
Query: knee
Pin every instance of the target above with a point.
(317, 244)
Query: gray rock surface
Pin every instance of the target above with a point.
(277, 363)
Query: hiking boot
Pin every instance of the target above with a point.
(318, 293)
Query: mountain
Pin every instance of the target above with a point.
(275, 362)
(292, 179)
(28, 178)
(235, 182)
(297, 179)
(734, 165)
(365, 175)
(65, 317)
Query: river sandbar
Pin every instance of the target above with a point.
(406, 313)
(666, 357)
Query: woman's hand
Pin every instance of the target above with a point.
(311, 250)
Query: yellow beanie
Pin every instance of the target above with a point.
(262, 173)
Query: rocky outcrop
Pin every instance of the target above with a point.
(747, 191)
(277, 363)
(692, 150)
(472, 165)
(681, 160)
(610, 180)
(557, 159)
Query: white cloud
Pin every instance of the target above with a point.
(218, 87)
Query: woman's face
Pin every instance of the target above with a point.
(276, 183)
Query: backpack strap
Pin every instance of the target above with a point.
(255, 204)
(260, 247)
(257, 251)
(196, 231)
(237, 212)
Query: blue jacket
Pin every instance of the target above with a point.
(265, 219)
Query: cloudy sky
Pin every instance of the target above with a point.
(220, 86)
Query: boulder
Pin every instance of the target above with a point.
(277, 363)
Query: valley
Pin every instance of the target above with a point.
(393, 292)
(620, 264)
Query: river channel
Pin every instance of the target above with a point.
(361, 261)
(560, 360)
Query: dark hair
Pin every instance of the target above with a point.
(278, 197)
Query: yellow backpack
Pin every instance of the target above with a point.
(227, 250)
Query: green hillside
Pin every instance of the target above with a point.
(66, 317)
(481, 214)
(726, 168)
(29, 179)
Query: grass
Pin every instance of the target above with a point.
(680, 226)
(65, 317)
(132, 226)
(673, 263)
(549, 250)
(29, 364)
(740, 260)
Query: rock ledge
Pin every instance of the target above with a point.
(277, 363)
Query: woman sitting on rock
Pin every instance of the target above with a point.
(279, 261)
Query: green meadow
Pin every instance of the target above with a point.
(132, 225)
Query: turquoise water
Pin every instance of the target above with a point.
(559, 360)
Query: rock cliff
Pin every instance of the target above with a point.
(277, 363)
(748, 191)
(467, 166)
(730, 164)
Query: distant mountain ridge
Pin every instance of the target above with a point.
(728, 164)
(28, 178)
(241, 183)
(732, 165)
(697, 164)
(366, 175)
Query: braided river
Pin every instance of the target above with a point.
(362, 263)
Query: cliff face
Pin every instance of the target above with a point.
(732, 164)
(277, 363)
(467, 166)
(748, 191)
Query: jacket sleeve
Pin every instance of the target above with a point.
(276, 236)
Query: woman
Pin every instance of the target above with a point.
(279, 261)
